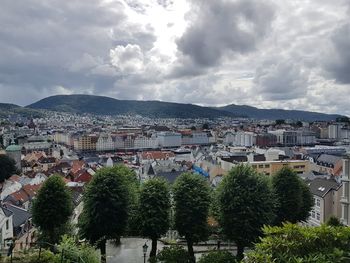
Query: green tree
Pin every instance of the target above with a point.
(106, 207)
(7, 167)
(293, 197)
(154, 210)
(246, 203)
(192, 200)
(280, 122)
(294, 243)
(52, 209)
(333, 221)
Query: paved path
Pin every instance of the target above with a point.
(130, 250)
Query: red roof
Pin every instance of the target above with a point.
(157, 155)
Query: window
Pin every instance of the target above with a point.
(318, 202)
(313, 214)
(267, 166)
(7, 225)
(318, 216)
(261, 166)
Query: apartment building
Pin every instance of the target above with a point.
(345, 197)
(326, 194)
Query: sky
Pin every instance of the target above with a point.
(292, 54)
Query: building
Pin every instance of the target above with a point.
(334, 131)
(105, 143)
(14, 152)
(327, 195)
(169, 139)
(345, 197)
(6, 226)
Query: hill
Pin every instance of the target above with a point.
(275, 114)
(7, 109)
(108, 106)
(100, 105)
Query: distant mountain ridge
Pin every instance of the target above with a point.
(275, 114)
(100, 105)
(7, 109)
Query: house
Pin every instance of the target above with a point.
(6, 226)
(21, 219)
(329, 164)
(327, 195)
(24, 196)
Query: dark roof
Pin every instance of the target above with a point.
(236, 158)
(169, 176)
(20, 215)
(321, 186)
(328, 159)
(7, 212)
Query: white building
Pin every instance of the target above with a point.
(345, 198)
(169, 139)
(143, 142)
(105, 143)
(334, 131)
(6, 226)
(196, 138)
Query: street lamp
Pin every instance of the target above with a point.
(144, 248)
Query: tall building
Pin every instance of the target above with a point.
(345, 198)
(14, 152)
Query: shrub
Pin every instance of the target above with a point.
(218, 257)
(173, 254)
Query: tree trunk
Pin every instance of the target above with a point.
(103, 251)
(190, 250)
(154, 248)
(240, 251)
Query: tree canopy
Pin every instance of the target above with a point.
(192, 200)
(107, 202)
(246, 203)
(293, 197)
(52, 209)
(154, 210)
(8, 167)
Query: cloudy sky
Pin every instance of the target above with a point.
(292, 54)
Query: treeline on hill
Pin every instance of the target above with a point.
(251, 209)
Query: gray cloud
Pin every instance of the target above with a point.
(45, 45)
(220, 27)
(337, 61)
(280, 79)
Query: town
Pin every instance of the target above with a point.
(76, 147)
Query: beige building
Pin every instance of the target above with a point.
(327, 195)
(271, 167)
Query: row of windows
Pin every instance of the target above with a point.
(317, 202)
(315, 215)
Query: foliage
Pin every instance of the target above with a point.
(246, 203)
(333, 221)
(154, 210)
(293, 197)
(192, 200)
(293, 243)
(172, 254)
(280, 122)
(8, 167)
(106, 209)
(73, 253)
(218, 256)
(52, 208)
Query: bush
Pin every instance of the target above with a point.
(218, 257)
(293, 243)
(173, 254)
